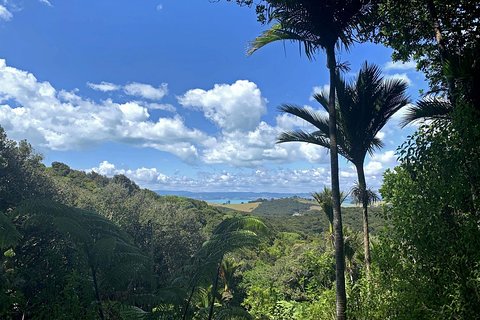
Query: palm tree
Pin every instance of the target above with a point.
(357, 195)
(324, 199)
(321, 25)
(363, 108)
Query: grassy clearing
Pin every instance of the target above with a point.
(244, 207)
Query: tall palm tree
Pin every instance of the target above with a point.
(363, 107)
(321, 25)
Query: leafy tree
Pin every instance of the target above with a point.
(429, 248)
(429, 31)
(21, 173)
(363, 108)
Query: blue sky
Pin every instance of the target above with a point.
(163, 92)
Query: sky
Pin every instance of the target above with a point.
(163, 92)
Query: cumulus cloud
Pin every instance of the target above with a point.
(5, 15)
(161, 106)
(146, 91)
(399, 65)
(256, 147)
(104, 86)
(274, 180)
(62, 120)
(135, 89)
(238, 106)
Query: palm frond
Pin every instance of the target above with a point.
(316, 119)
(276, 33)
(302, 136)
(322, 98)
(428, 109)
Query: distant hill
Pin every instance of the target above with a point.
(303, 216)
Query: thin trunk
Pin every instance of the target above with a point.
(366, 238)
(185, 312)
(341, 297)
(432, 11)
(97, 292)
(214, 290)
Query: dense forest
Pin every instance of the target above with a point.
(80, 245)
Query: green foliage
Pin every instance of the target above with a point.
(62, 248)
(428, 260)
(410, 29)
(21, 173)
(291, 279)
(9, 236)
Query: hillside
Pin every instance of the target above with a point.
(304, 216)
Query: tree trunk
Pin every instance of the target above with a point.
(97, 292)
(214, 290)
(432, 11)
(366, 238)
(341, 296)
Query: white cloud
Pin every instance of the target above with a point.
(161, 106)
(373, 168)
(134, 112)
(159, 7)
(136, 89)
(46, 2)
(273, 180)
(5, 14)
(399, 76)
(398, 65)
(146, 91)
(387, 158)
(238, 106)
(256, 147)
(62, 120)
(103, 86)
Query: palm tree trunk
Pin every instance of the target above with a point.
(214, 291)
(341, 296)
(366, 238)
